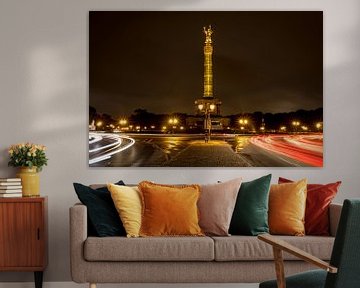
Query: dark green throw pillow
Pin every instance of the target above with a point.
(103, 218)
(250, 216)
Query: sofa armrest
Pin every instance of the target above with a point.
(78, 235)
(334, 217)
(279, 246)
(284, 246)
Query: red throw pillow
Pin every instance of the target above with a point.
(319, 197)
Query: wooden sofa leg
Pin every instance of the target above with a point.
(92, 285)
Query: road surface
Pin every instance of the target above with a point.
(225, 150)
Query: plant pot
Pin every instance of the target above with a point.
(30, 181)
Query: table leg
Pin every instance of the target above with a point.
(38, 279)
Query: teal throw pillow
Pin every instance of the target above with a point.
(250, 216)
(103, 219)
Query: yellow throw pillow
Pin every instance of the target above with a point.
(287, 204)
(127, 201)
(169, 210)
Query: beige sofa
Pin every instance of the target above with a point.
(234, 259)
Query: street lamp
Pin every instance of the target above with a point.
(173, 121)
(122, 123)
(243, 123)
(318, 126)
(296, 124)
(99, 124)
(207, 108)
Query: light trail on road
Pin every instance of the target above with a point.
(304, 148)
(93, 138)
(117, 145)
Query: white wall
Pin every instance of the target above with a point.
(44, 99)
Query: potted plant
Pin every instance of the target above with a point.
(30, 158)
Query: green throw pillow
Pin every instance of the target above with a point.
(250, 215)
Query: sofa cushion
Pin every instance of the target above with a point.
(244, 248)
(287, 204)
(318, 199)
(216, 205)
(149, 249)
(250, 215)
(169, 210)
(102, 216)
(127, 201)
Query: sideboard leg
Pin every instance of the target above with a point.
(92, 285)
(38, 279)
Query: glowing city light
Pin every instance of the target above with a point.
(243, 121)
(123, 122)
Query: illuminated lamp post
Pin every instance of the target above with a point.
(296, 125)
(243, 123)
(173, 123)
(123, 122)
(318, 126)
(99, 124)
(207, 108)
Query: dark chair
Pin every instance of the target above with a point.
(344, 268)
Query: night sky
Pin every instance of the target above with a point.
(262, 61)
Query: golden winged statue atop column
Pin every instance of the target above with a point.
(208, 32)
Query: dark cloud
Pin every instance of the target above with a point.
(263, 61)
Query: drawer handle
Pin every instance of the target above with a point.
(38, 234)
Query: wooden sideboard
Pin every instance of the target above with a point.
(23, 235)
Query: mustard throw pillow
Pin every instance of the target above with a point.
(287, 204)
(169, 210)
(127, 201)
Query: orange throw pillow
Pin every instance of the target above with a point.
(287, 203)
(169, 210)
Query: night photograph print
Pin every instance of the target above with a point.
(205, 89)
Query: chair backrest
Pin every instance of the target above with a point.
(346, 251)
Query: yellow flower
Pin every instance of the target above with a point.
(28, 154)
(11, 151)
